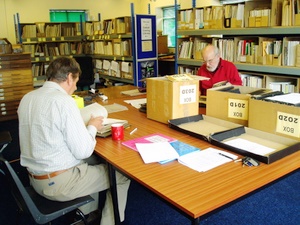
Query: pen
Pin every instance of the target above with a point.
(225, 156)
(134, 130)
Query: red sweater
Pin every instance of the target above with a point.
(226, 71)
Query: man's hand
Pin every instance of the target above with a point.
(96, 122)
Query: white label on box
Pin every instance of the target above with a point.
(188, 94)
(288, 124)
(238, 109)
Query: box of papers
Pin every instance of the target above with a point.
(276, 117)
(201, 126)
(230, 103)
(262, 146)
(171, 97)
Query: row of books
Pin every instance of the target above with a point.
(252, 81)
(115, 47)
(246, 14)
(120, 25)
(258, 50)
(39, 69)
(54, 49)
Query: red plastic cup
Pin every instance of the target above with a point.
(117, 131)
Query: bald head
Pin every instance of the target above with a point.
(211, 57)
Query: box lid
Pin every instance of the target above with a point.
(282, 146)
(201, 126)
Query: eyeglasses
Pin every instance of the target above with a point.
(210, 60)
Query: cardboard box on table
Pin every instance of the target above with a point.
(167, 99)
(282, 146)
(275, 118)
(229, 105)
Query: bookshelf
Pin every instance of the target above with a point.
(124, 49)
(258, 31)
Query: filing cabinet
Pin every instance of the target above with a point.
(15, 81)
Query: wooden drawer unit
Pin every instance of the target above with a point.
(15, 61)
(8, 110)
(7, 94)
(16, 77)
(15, 81)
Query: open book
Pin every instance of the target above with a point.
(96, 109)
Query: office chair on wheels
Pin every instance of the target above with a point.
(41, 209)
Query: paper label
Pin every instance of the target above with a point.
(188, 94)
(238, 109)
(288, 124)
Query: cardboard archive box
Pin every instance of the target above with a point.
(167, 99)
(276, 118)
(231, 105)
(262, 146)
(201, 126)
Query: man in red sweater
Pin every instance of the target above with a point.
(217, 69)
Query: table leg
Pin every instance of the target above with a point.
(196, 221)
(114, 193)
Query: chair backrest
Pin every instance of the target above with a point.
(21, 196)
(28, 198)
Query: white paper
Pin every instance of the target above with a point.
(206, 159)
(250, 146)
(136, 102)
(156, 152)
(291, 98)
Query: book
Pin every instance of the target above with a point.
(95, 109)
(181, 148)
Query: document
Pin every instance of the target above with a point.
(134, 92)
(152, 138)
(157, 151)
(206, 159)
(136, 102)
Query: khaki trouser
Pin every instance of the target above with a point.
(84, 180)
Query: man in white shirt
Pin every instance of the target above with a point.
(55, 143)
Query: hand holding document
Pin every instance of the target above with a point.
(96, 109)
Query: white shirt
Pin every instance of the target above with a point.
(52, 133)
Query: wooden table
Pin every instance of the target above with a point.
(193, 193)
